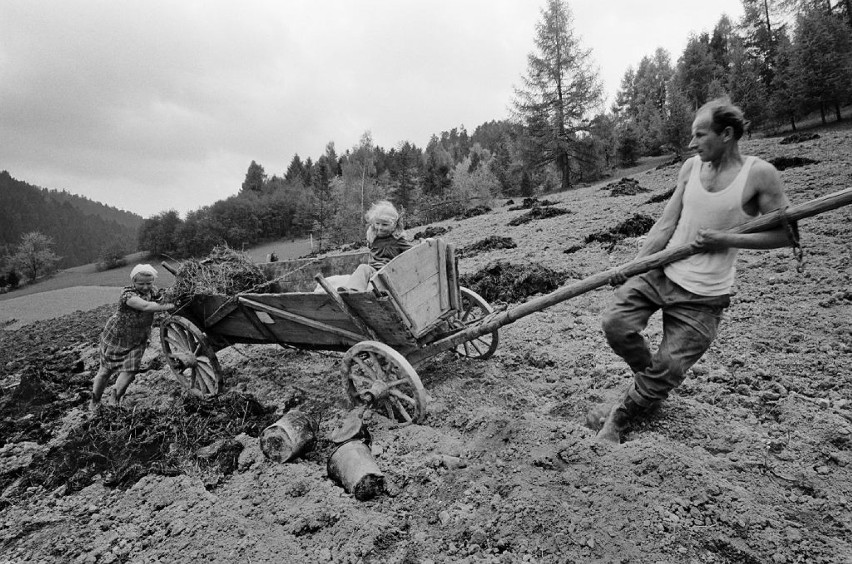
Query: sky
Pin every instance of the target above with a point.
(157, 105)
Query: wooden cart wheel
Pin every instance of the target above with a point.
(377, 375)
(473, 308)
(190, 356)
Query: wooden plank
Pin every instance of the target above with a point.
(252, 317)
(220, 313)
(277, 312)
(444, 294)
(453, 278)
(423, 303)
(297, 275)
(338, 299)
(387, 285)
(384, 318)
(413, 280)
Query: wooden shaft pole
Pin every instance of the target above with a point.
(493, 322)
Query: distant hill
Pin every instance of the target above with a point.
(80, 228)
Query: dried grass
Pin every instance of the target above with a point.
(224, 271)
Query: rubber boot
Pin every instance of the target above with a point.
(618, 420)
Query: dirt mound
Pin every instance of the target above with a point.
(432, 232)
(798, 137)
(783, 163)
(636, 226)
(529, 203)
(538, 213)
(625, 187)
(488, 244)
(507, 282)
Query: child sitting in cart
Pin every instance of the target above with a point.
(385, 239)
(125, 335)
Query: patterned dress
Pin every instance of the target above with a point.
(125, 336)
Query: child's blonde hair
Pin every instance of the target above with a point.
(383, 209)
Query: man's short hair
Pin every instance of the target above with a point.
(724, 114)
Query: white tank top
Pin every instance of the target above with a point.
(708, 274)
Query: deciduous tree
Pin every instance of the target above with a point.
(35, 256)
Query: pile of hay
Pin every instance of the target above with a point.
(798, 137)
(530, 203)
(538, 212)
(662, 197)
(625, 187)
(124, 445)
(431, 232)
(488, 244)
(224, 272)
(636, 226)
(473, 212)
(783, 163)
(507, 282)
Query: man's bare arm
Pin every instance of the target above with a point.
(664, 228)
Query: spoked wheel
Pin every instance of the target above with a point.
(378, 376)
(474, 308)
(190, 356)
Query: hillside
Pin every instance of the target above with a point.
(80, 228)
(749, 461)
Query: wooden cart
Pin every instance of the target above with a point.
(417, 311)
(416, 301)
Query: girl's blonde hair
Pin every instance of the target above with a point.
(383, 209)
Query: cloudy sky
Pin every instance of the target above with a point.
(156, 105)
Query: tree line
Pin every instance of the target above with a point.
(783, 60)
(62, 229)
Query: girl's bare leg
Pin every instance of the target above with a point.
(122, 383)
(98, 385)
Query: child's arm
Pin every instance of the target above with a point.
(144, 305)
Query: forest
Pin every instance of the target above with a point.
(785, 59)
(81, 230)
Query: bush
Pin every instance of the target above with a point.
(13, 279)
(111, 257)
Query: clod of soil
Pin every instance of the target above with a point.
(431, 231)
(507, 282)
(798, 137)
(573, 249)
(625, 187)
(530, 203)
(538, 213)
(488, 244)
(634, 227)
(473, 212)
(783, 163)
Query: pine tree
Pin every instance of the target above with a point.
(560, 90)
(255, 179)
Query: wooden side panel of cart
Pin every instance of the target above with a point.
(416, 292)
